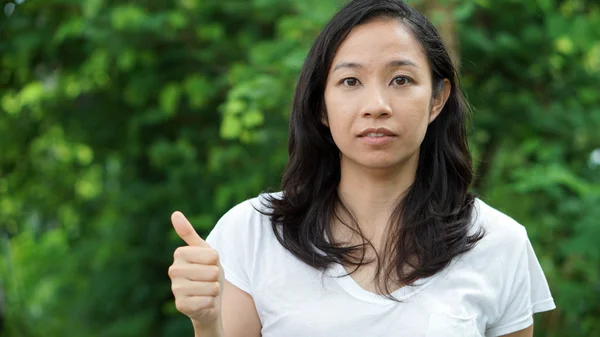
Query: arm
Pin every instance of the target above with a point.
(527, 332)
(239, 317)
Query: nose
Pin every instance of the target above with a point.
(376, 104)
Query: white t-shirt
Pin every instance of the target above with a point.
(492, 290)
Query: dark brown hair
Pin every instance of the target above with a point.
(429, 226)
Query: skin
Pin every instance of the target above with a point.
(380, 77)
(363, 90)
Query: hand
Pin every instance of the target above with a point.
(196, 275)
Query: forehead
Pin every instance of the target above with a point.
(378, 41)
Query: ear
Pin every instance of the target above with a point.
(439, 101)
(324, 118)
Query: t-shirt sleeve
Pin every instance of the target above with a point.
(525, 294)
(232, 238)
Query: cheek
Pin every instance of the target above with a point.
(419, 128)
(413, 117)
(340, 127)
(339, 116)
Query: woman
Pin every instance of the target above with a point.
(374, 232)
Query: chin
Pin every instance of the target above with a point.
(383, 166)
(384, 160)
(383, 163)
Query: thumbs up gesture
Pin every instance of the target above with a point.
(196, 275)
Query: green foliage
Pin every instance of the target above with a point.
(114, 114)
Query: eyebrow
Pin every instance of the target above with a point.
(391, 64)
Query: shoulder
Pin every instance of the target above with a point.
(252, 210)
(500, 229)
(509, 269)
(247, 219)
(239, 235)
(504, 239)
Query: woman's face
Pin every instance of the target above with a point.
(378, 96)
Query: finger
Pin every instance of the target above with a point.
(186, 288)
(192, 304)
(186, 231)
(194, 254)
(195, 272)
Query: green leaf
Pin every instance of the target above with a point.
(252, 118)
(231, 127)
(169, 98)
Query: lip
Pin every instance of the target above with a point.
(388, 136)
(377, 140)
(383, 131)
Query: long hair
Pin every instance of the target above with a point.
(430, 224)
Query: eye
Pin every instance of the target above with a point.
(401, 80)
(350, 82)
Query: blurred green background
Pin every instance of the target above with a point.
(113, 114)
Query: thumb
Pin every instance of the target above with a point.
(185, 230)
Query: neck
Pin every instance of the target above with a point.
(373, 194)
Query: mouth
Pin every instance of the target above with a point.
(377, 137)
(376, 133)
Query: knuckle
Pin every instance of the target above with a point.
(216, 288)
(215, 273)
(214, 256)
(175, 288)
(178, 253)
(181, 305)
(172, 271)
